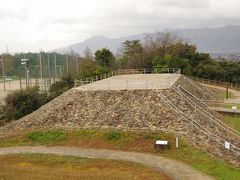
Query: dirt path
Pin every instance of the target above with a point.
(236, 94)
(174, 169)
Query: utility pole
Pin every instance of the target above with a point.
(41, 73)
(4, 85)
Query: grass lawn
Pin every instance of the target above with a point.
(38, 166)
(128, 141)
(233, 121)
(223, 95)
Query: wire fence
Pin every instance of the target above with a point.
(17, 83)
(127, 83)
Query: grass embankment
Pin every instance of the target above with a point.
(128, 141)
(38, 166)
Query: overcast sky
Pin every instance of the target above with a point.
(29, 25)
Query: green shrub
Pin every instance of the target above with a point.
(89, 69)
(59, 87)
(113, 135)
(46, 137)
(23, 102)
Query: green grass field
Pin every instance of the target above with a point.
(128, 141)
(229, 106)
(39, 167)
(223, 95)
(233, 121)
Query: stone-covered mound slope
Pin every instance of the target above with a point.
(124, 109)
(170, 110)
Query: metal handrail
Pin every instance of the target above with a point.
(172, 71)
(204, 130)
(172, 77)
(204, 92)
(218, 120)
(203, 103)
(192, 83)
(207, 114)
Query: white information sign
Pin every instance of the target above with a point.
(234, 107)
(161, 142)
(227, 145)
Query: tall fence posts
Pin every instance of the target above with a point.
(227, 91)
(3, 75)
(20, 81)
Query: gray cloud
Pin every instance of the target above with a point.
(186, 4)
(44, 23)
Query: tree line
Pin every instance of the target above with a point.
(161, 50)
(158, 50)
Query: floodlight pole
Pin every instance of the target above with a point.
(25, 63)
(26, 74)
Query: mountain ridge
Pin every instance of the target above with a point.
(212, 40)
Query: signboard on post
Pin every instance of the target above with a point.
(234, 107)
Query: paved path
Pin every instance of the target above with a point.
(225, 110)
(174, 169)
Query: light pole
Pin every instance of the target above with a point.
(25, 63)
(4, 86)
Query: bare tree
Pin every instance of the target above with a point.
(88, 53)
(161, 42)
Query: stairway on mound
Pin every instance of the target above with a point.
(207, 129)
(201, 92)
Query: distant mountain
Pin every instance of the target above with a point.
(98, 42)
(213, 40)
